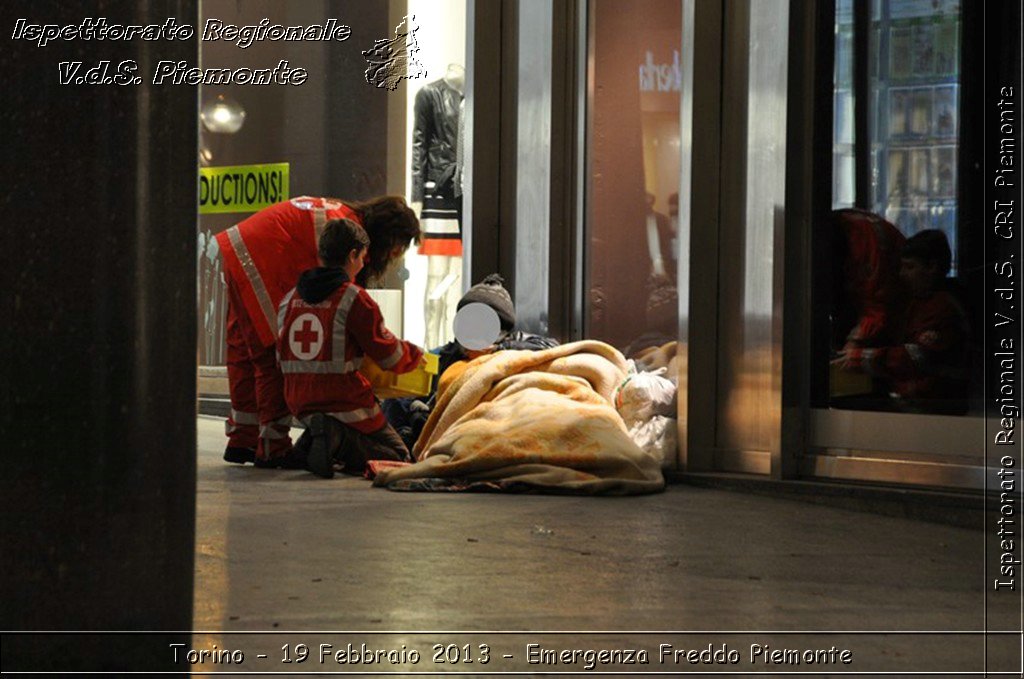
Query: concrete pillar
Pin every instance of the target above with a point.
(97, 342)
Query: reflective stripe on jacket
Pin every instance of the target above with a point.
(321, 346)
(266, 252)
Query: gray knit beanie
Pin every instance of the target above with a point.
(491, 292)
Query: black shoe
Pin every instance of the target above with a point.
(320, 460)
(272, 463)
(239, 455)
(293, 459)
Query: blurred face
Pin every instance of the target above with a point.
(477, 329)
(918, 276)
(355, 262)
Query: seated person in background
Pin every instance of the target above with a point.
(328, 323)
(927, 369)
(491, 291)
(408, 415)
(866, 291)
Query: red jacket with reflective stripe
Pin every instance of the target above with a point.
(931, 362)
(265, 253)
(321, 346)
(871, 273)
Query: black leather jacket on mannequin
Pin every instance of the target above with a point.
(434, 136)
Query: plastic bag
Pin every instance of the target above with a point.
(641, 396)
(657, 437)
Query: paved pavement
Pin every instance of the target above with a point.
(280, 552)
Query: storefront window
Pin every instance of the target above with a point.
(343, 132)
(901, 320)
(633, 171)
(435, 136)
(913, 55)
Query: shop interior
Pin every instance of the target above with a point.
(896, 149)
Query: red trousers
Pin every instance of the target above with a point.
(259, 415)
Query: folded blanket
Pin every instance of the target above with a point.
(532, 420)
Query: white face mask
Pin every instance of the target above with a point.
(477, 326)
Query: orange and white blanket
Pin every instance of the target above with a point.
(532, 420)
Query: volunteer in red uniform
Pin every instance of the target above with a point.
(263, 256)
(869, 293)
(327, 324)
(925, 367)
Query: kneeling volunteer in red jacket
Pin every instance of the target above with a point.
(328, 323)
(263, 256)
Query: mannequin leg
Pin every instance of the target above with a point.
(438, 308)
(451, 298)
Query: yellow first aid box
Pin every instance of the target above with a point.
(387, 384)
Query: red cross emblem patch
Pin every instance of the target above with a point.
(306, 337)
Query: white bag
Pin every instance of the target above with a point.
(641, 396)
(657, 437)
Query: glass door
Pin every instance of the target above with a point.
(633, 170)
(895, 391)
(633, 284)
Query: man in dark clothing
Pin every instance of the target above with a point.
(408, 415)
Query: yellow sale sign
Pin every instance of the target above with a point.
(242, 188)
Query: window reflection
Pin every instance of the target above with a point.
(914, 97)
(899, 319)
(631, 265)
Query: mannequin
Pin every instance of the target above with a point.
(436, 197)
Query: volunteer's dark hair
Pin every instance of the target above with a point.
(390, 222)
(339, 238)
(929, 246)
